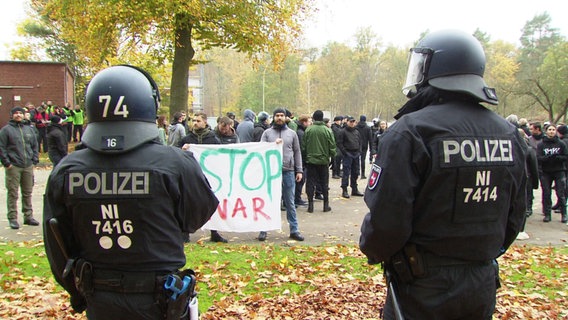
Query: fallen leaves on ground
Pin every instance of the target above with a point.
(330, 295)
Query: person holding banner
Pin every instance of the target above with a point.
(201, 133)
(291, 167)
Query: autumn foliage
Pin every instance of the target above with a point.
(314, 284)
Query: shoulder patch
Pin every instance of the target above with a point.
(374, 177)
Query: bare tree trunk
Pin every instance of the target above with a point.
(183, 54)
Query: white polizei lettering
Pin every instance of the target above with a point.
(471, 157)
(122, 189)
(506, 147)
(138, 182)
(97, 185)
(115, 183)
(495, 145)
(451, 147)
(75, 180)
(479, 150)
(105, 184)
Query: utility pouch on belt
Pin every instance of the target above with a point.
(179, 289)
(415, 260)
(83, 273)
(407, 264)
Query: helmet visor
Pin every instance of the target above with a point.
(417, 66)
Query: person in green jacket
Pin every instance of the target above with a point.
(68, 121)
(319, 147)
(78, 122)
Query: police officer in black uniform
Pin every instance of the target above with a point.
(114, 212)
(447, 190)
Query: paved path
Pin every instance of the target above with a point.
(341, 225)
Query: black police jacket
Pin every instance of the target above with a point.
(449, 178)
(125, 212)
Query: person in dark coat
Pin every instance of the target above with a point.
(56, 140)
(260, 126)
(201, 133)
(446, 195)
(225, 132)
(349, 142)
(366, 136)
(336, 128)
(114, 211)
(552, 154)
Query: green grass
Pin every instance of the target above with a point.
(273, 270)
(269, 270)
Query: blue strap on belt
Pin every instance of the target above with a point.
(176, 285)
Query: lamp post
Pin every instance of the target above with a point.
(263, 77)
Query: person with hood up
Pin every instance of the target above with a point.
(56, 140)
(176, 131)
(246, 127)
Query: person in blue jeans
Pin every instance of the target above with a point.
(291, 167)
(349, 142)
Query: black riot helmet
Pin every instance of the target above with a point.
(449, 60)
(121, 105)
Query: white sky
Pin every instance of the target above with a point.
(395, 22)
(401, 22)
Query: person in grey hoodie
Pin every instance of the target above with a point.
(176, 131)
(246, 127)
(291, 167)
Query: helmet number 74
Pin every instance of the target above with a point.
(119, 110)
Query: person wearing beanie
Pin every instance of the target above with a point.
(259, 127)
(16, 109)
(19, 153)
(56, 140)
(318, 146)
(366, 135)
(291, 168)
(290, 121)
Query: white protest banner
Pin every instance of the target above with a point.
(247, 180)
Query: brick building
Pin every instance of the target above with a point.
(23, 82)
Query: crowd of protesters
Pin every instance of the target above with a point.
(343, 147)
(547, 165)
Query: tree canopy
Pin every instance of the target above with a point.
(107, 32)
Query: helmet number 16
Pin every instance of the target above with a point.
(119, 110)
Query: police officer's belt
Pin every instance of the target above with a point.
(432, 260)
(125, 282)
